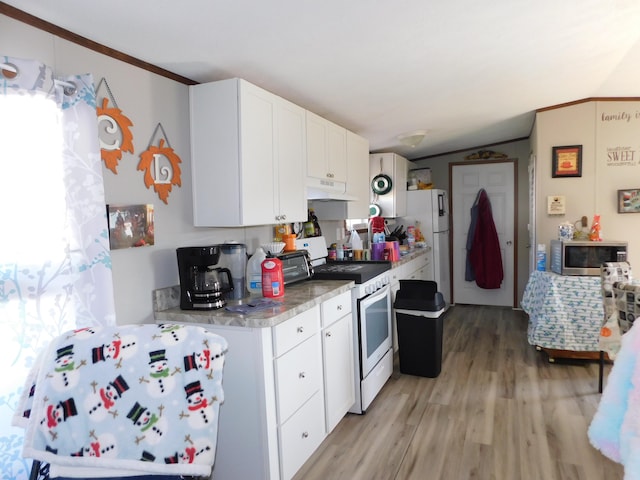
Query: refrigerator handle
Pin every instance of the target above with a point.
(441, 211)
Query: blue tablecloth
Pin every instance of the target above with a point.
(565, 312)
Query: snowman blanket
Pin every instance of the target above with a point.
(138, 399)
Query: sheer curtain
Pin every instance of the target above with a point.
(55, 265)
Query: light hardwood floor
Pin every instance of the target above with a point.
(499, 410)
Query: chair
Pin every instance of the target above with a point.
(139, 400)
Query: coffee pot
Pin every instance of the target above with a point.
(203, 284)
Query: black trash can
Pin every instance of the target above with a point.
(420, 311)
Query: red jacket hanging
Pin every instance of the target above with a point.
(485, 255)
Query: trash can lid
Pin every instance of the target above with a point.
(410, 302)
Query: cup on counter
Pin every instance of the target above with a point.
(377, 251)
(394, 250)
(289, 240)
(357, 255)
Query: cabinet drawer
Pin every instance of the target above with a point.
(301, 435)
(335, 308)
(396, 274)
(298, 376)
(290, 333)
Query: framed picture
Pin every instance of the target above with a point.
(567, 161)
(130, 226)
(629, 200)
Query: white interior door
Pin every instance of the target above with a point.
(498, 179)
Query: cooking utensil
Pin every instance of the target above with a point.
(381, 184)
(374, 210)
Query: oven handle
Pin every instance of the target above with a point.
(375, 296)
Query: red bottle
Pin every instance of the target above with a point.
(272, 278)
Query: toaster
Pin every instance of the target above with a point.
(296, 266)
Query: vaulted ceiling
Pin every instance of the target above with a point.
(471, 73)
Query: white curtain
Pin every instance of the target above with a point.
(55, 265)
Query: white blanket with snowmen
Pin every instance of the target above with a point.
(141, 398)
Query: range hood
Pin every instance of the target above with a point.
(318, 189)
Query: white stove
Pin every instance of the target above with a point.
(371, 306)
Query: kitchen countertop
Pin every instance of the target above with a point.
(413, 254)
(297, 298)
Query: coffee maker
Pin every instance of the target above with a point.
(203, 286)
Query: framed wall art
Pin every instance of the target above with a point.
(566, 161)
(130, 226)
(629, 200)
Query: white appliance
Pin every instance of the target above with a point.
(429, 209)
(371, 307)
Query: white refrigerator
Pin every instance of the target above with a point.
(429, 210)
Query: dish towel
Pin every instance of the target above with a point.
(137, 398)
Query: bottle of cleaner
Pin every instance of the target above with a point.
(272, 278)
(254, 271)
(541, 257)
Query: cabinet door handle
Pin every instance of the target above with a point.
(300, 329)
(283, 217)
(328, 334)
(302, 375)
(305, 434)
(339, 307)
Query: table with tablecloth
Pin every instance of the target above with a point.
(565, 312)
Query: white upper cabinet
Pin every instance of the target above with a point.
(245, 142)
(388, 172)
(326, 149)
(357, 176)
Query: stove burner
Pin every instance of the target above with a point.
(360, 272)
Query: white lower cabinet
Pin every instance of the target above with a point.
(418, 269)
(280, 384)
(337, 354)
(300, 435)
(299, 389)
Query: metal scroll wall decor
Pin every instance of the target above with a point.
(161, 165)
(114, 129)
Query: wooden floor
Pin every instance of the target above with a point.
(499, 410)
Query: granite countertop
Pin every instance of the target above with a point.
(413, 254)
(297, 298)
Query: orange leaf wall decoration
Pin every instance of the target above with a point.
(161, 177)
(114, 122)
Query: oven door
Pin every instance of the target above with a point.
(374, 328)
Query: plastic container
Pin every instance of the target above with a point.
(377, 251)
(272, 278)
(254, 271)
(289, 240)
(420, 310)
(541, 258)
(234, 257)
(355, 240)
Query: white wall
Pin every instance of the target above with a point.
(521, 151)
(601, 128)
(146, 99)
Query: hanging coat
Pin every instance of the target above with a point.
(469, 275)
(485, 255)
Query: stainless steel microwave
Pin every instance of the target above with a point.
(575, 257)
